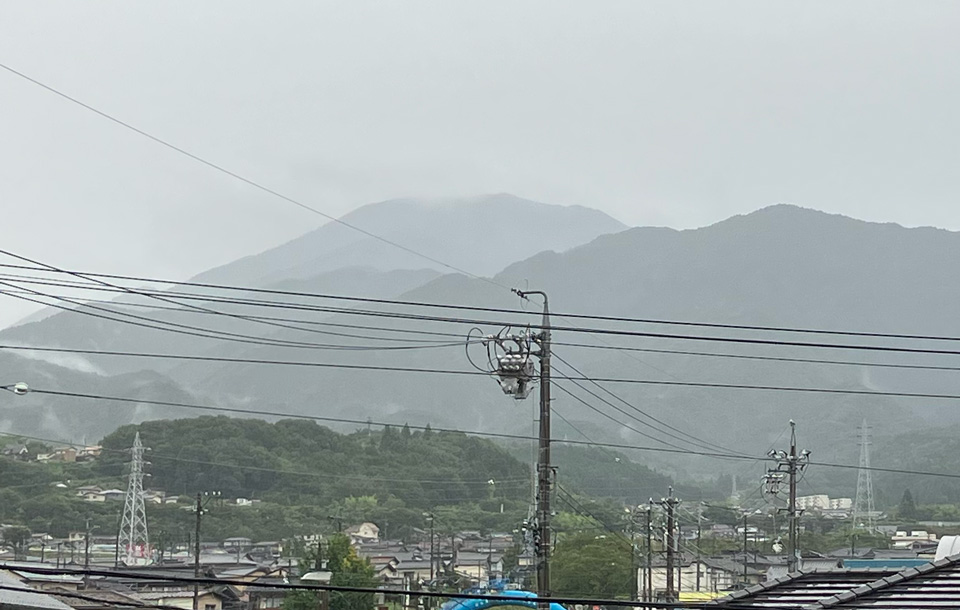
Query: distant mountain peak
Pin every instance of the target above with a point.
(457, 231)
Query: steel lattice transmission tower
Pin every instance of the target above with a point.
(863, 508)
(133, 543)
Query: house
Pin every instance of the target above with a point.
(42, 582)
(151, 496)
(16, 595)
(720, 530)
(89, 453)
(208, 599)
(94, 599)
(17, 451)
(905, 539)
(264, 597)
(64, 454)
(237, 543)
(814, 502)
(708, 574)
(113, 494)
(479, 566)
(363, 533)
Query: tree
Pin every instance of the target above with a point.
(907, 508)
(17, 537)
(301, 600)
(593, 566)
(349, 570)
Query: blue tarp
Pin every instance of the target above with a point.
(524, 598)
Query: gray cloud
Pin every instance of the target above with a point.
(656, 112)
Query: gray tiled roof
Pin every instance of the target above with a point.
(801, 589)
(933, 585)
(17, 595)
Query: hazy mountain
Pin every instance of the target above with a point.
(780, 266)
(481, 235)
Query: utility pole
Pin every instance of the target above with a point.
(699, 532)
(648, 594)
(789, 464)
(744, 549)
(544, 469)
(86, 545)
(670, 504)
(196, 551)
(634, 560)
(515, 372)
(431, 519)
(196, 543)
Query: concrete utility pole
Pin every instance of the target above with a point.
(699, 532)
(196, 551)
(430, 518)
(790, 464)
(86, 546)
(196, 544)
(669, 504)
(744, 549)
(544, 469)
(648, 594)
(514, 368)
(634, 559)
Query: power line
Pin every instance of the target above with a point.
(281, 319)
(245, 180)
(758, 357)
(361, 422)
(263, 413)
(615, 420)
(698, 441)
(651, 321)
(212, 333)
(575, 329)
(365, 367)
(176, 327)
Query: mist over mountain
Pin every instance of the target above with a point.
(481, 235)
(781, 266)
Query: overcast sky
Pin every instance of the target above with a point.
(669, 113)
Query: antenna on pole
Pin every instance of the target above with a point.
(133, 539)
(863, 508)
